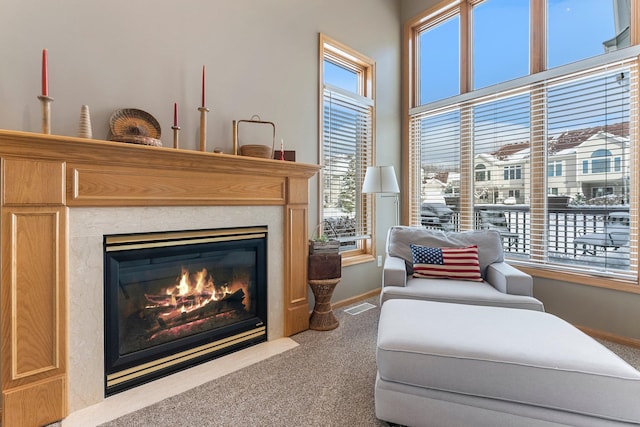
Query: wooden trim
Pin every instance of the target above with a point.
(582, 279)
(41, 182)
(537, 163)
(355, 299)
(635, 23)
(295, 263)
(538, 16)
(15, 144)
(466, 48)
(34, 311)
(408, 94)
(357, 259)
(40, 404)
(96, 185)
(594, 333)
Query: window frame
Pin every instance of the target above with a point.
(343, 55)
(538, 71)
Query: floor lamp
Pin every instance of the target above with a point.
(382, 179)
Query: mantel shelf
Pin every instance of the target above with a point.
(55, 147)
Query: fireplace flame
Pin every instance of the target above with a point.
(192, 292)
(183, 287)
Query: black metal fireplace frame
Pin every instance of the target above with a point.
(200, 347)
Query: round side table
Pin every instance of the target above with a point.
(322, 317)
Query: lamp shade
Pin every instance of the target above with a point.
(380, 179)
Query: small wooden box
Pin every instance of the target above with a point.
(325, 266)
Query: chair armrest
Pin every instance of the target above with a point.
(394, 272)
(509, 280)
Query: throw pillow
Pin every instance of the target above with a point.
(446, 263)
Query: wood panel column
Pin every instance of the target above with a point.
(34, 305)
(296, 255)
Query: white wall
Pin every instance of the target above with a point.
(261, 58)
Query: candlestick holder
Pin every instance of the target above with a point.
(203, 128)
(176, 129)
(46, 101)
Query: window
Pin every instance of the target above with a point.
(436, 158)
(558, 127)
(482, 174)
(346, 146)
(439, 47)
(600, 162)
(601, 192)
(512, 172)
(554, 168)
(500, 51)
(579, 29)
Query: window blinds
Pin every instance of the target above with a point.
(347, 151)
(503, 142)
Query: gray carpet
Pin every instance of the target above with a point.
(326, 381)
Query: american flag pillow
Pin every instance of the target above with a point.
(446, 263)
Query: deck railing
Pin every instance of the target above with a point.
(564, 225)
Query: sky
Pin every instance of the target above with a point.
(576, 30)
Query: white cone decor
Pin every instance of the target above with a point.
(84, 130)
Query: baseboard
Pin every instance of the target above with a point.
(594, 333)
(357, 298)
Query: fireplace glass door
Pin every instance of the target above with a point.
(180, 298)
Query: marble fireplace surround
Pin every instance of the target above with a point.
(87, 226)
(61, 195)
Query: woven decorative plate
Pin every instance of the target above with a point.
(133, 122)
(135, 139)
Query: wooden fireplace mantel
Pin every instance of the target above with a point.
(44, 175)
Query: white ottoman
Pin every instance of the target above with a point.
(443, 364)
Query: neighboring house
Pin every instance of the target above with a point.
(591, 161)
(433, 185)
(602, 165)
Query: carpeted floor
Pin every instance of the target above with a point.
(326, 381)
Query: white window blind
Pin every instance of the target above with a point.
(589, 123)
(347, 151)
(435, 160)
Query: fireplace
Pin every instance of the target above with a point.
(176, 299)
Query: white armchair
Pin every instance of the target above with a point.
(503, 285)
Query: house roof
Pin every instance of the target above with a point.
(562, 143)
(510, 149)
(573, 138)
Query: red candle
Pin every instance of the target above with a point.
(45, 74)
(203, 103)
(175, 114)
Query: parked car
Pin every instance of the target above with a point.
(436, 215)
